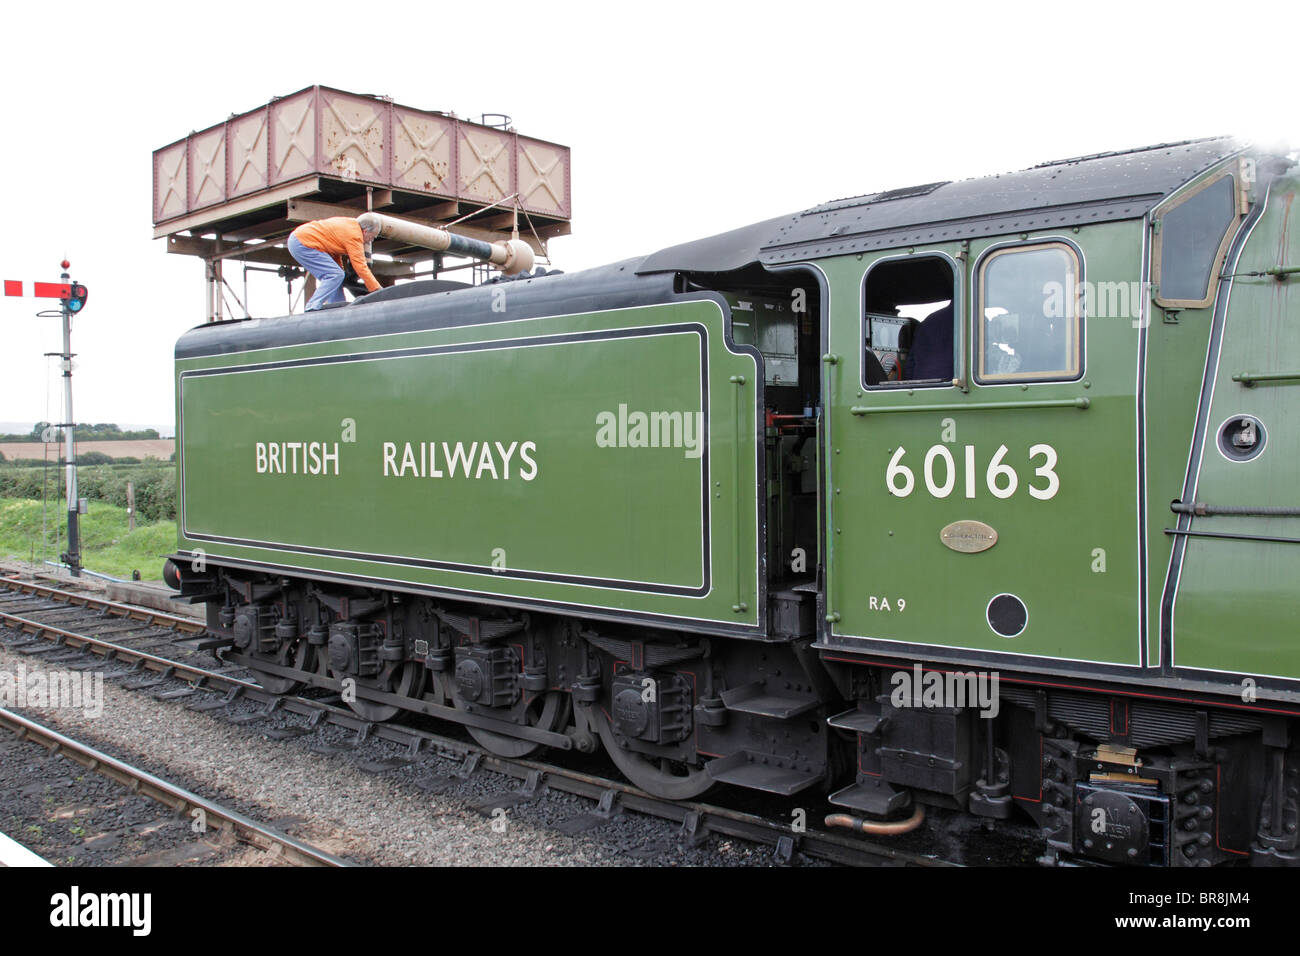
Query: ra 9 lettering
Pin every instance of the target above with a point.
(942, 474)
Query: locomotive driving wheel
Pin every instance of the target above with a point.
(548, 711)
(658, 776)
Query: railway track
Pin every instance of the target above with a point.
(177, 799)
(35, 610)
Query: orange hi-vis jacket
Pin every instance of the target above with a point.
(337, 237)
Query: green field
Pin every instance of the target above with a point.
(106, 545)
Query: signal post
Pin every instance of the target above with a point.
(72, 301)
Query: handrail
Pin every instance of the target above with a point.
(1080, 403)
(1201, 510)
(1251, 379)
(740, 607)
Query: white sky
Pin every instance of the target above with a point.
(685, 119)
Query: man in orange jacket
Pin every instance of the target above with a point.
(319, 247)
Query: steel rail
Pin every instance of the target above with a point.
(696, 819)
(176, 798)
(152, 662)
(80, 599)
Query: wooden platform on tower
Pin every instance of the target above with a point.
(235, 191)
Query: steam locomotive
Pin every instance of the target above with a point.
(973, 495)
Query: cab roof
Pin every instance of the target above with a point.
(1103, 187)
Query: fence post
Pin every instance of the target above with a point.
(130, 506)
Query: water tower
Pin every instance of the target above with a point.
(234, 192)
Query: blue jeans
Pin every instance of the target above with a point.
(329, 277)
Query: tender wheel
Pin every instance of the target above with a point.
(657, 776)
(549, 711)
(318, 661)
(297, 655)
(405, 680)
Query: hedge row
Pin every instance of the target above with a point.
(155, 487)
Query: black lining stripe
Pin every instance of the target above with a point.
(581, 580)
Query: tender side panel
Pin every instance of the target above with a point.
(601, 461)
(1228, 575)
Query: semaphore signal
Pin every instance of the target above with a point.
(72, 297)
(40, 290)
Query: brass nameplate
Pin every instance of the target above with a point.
(968, 537)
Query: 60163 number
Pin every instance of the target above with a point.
(941, 474)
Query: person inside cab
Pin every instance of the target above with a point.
(931, 354)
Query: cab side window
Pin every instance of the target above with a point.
(908, 322)
(1029, 316)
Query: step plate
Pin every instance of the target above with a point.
(754, 699)
(857, 721)
(878, 801)
(742, 770)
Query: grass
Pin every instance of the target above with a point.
(106, 545)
